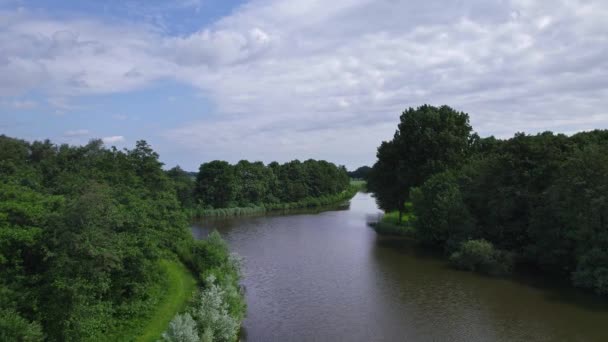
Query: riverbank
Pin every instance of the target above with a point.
(197, 283)
(180, 288)
(389, 224)
(479, 256)
(175, 288)
(309, 202)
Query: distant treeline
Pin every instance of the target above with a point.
(360, 173)
(84, 234)
(491, 204)
(220, 185)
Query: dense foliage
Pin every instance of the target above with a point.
(82, 232)
(246, 185)
(481, 256)
(360, 173)
(428, 140)
(541, 199)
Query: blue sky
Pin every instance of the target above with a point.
(278, 80)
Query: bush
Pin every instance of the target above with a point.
(481, 256)
(220, 306)
(212, 315)
(182, 329)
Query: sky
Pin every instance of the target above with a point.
(294, 79)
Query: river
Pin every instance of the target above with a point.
(328, 277)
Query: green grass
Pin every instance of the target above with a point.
(393, 218)
(180, 287)
(360, 184)
(390, 225)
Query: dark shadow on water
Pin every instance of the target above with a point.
(242, 333)
(554, 288)
(560, 289)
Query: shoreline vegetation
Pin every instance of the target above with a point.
(310, 202)
(95, 242)
(492, 205)
(95, 246)
(179, 289)
(390, 225)
(247, 188)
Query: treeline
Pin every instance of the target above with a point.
(360, 173)
(84, 231)
(219, 185)
(492, 204)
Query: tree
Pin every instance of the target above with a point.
(428, 140)
(360, 173)
(183, 183)
(216, 184)
(442, 218)
(253, 181)
(385, 179)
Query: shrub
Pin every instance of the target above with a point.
(212, 316)
(481, 256)
(182, 329)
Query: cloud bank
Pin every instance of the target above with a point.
(329, 79)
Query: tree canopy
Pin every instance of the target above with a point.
(539, 198)
(222, 185)
(360, 173)
(428, 140)
(82, 232)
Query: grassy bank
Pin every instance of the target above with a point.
(360, 184)
(390, 225)
(216, 312)
(309, 202)
(180, 286)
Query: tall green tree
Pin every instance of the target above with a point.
(216, 184)
(253, 181)
(428, 140)
(183, 183)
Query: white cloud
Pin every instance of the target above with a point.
(76, 133)
(309, 75)
(113, 139)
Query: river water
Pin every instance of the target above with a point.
(328, 277)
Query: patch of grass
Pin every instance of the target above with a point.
(359, 184)
(390, 225)
(387, 228)
(180, 287)
(393, 218)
